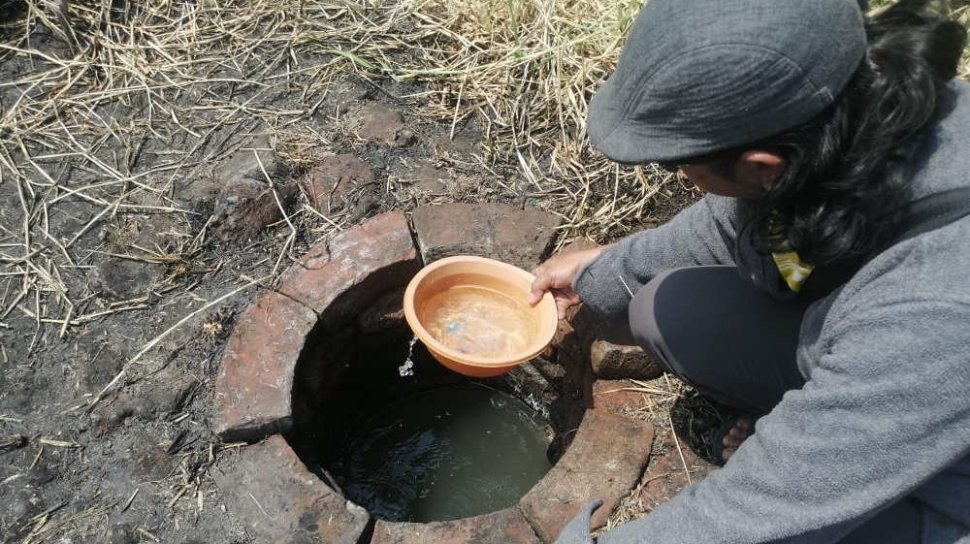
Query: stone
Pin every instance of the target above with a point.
(619, 397)
(121, 534)
(149, 461)
(255, 380)
(380, 125)
(270, 490)
(243, 164)
(529, 383)
(170, 396)
(519, 237)
(199, 194)
(102, 359)
(425, 178)
(341, 277)
(331, 183)
(667, 472)
(565, 364)
(503, 527)
(611, 349)
(466, 140)
(122, 279)
(109, 415)
(604, 461)
(616, 361)
(247, 206)
(405, 138)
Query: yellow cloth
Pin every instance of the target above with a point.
(793, 270)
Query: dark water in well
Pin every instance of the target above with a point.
(443, 454)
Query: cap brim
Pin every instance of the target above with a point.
(623, 141)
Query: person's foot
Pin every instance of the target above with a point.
(735, 436)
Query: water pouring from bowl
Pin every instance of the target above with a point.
(473, 315)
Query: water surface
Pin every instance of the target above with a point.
(443, 454)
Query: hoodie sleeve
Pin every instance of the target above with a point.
(884, 410)
(702, 234)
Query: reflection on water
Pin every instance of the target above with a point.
(443, 454)
(479, 321)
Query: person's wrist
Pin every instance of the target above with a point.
(589, 259)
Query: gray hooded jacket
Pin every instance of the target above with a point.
(885, 413)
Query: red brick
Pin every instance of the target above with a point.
(666, 474)
(618, 397)
(246, 207)
(604, 461)
(503, 527)
(380, 125)
(379, 251)
(615, 361)
(426, 179)
(611, 349)
(497, 231)
(255, 380)
(255, 383)
(330, 183)
(268, 489)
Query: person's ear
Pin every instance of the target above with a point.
(760, 167)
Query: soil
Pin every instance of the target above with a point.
(104, 422)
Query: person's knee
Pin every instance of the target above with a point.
(643, 322)
(717, 332)
(666, 314)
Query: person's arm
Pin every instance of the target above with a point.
(884, 410)
(702, 234)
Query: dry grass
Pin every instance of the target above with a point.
(179, 80)
(527, 71)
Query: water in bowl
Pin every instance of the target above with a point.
(479, 321)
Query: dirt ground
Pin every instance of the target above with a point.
(161, 162)
(127, 250)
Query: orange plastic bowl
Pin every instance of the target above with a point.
(473, 315)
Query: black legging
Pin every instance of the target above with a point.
(718, 333)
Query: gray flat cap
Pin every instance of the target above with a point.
(699, 76)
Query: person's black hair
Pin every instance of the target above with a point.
(853, 162)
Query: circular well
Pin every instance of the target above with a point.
(432, 446)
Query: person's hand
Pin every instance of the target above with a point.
(556, 276)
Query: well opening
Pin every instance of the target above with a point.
(432, 446)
